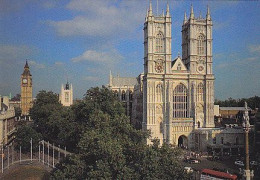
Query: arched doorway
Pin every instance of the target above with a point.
(183, 141)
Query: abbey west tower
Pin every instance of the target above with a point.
(26, 90)
(197, 56)
(66, 95)
(178, 95)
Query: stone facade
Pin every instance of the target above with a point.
(123, 88)
(7, 121)
(66, 95)
(177, 96)
(26, 90)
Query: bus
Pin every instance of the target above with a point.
(209, 174)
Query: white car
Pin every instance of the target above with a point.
(253, 163)
(239, 163)
(194, 161)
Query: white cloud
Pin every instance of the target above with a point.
(49, 4)
(251, 58)
(254, 48)
(87, 26)
(220, 25)
(91, 78)
(14, 53)
(58, 63)
(36, 64)
(101, 18)
(220, 5)
(102, 57)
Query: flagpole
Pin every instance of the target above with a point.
(39, 153)
(65, 151)
(12, 154)
(48, 153)
(31, 149)
(59, 154)
(53, 155)
(20, 154)
(8, 163)
(43, 151)
(2, 159)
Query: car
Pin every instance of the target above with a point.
(188, 169)
(253, 163)
(239, 163)
(194, 161)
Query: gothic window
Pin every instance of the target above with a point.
(159, 92)
(200, 92)
(66, 97)
(214, 140)
(123, 96)
(180, 102)
(159, 42)
(237, 141)
(198, 124)
(116, 93)
(201, 45)
(130, 95)
(179, 67)
(159, 109)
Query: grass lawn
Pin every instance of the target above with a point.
(27, 172)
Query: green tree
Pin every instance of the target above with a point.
(46, 113)
(17, 111)
(253, 102)
(23, 138)
(17, 97)
(55, 122)
(110, 148)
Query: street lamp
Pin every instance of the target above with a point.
(246, 127)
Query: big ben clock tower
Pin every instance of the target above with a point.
(26, 90)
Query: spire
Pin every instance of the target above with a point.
(26, 65)
(157, 8)
(246, 123)
(67, 86)
(208, 14)
(26, 71)
(168, 10)
(110, 78)
(191, 12)
(200, 17)
(185, 18)
(150, 12)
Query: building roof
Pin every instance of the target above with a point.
(233, 108)
(124, 81)
(26, 71)
(178, 63)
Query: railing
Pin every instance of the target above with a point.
(48, 154)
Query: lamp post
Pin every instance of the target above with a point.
(246, 127)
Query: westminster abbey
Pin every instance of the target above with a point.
(174, 98)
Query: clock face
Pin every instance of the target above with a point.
(24, 80)
(159, 67)
(200, 68)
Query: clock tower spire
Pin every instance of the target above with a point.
(26, 90)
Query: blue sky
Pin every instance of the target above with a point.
(83, 40)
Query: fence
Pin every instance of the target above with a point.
(48, 154)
